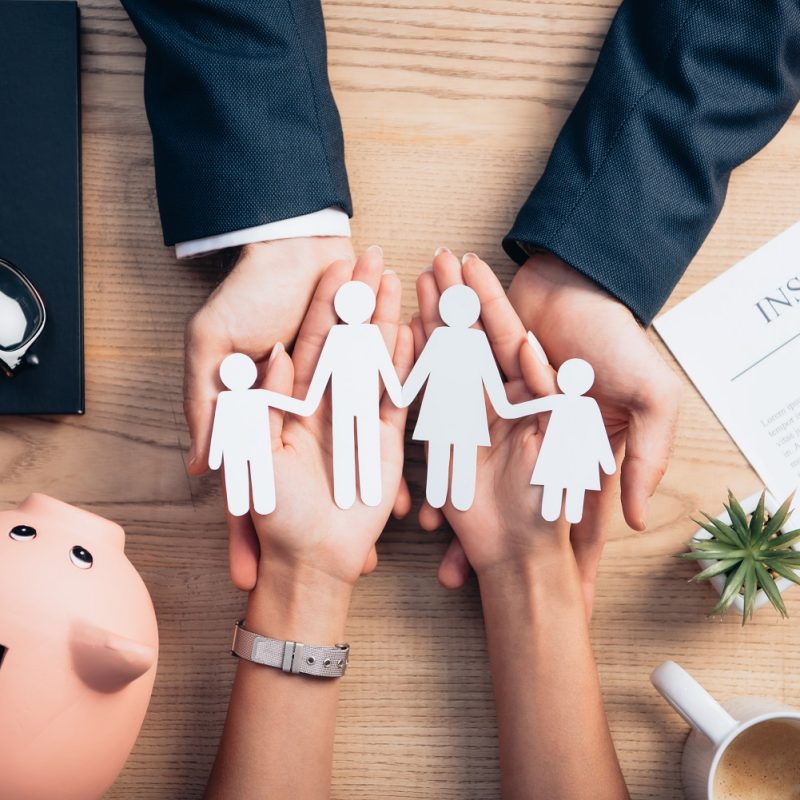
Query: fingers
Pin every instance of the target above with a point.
(279, 378)
(428, 300)
(321, 317)
(369, 267)
(403, 361)
(244, 552)
(454, 568)
(203, 355)
(500, 321)
(430, 518)
(402, 503)
(418, 331)
(647, 450)
(371, 562)
(539, 377)
(446, 269)
(388, 306)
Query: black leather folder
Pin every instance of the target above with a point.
(40, 198)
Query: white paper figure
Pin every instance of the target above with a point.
(354, 358)
(575, 445)
(457, 363)
(240, 437)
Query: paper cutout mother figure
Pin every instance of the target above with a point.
(575, 445)
(457, 363)
(240, 436)
(354, 358)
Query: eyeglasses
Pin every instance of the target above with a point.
(22, 318)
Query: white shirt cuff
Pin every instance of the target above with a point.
(327, 222)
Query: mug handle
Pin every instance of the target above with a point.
(692, 701)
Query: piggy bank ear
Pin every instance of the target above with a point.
(105, 661)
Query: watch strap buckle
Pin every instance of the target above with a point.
(292, 657)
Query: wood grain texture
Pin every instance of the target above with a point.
(449, 110)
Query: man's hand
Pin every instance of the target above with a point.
(262, 301)
(638, 393)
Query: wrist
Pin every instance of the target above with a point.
(298, 603)
(547, 572)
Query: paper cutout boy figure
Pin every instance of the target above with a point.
(575, 445)
(354, 358)
(240, 437)
(458, 364)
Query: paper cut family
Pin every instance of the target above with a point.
(459, 368)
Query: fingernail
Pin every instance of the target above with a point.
(389, 272)
(467, 256)
(537, 348)
(192, 453)
(375, 248)
(278, 348)
(645, 514)
(427, 269)
(440, 250)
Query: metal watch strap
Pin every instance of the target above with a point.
(294, 657)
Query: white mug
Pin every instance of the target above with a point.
(714, 727)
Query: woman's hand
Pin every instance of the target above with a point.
(308, 537)
(504, 524)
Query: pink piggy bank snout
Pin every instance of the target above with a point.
(78, 652)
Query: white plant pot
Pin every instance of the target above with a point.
(749, 505)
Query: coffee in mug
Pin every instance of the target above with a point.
(761, 763)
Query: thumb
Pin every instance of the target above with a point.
(200, 388)
(539, 376)
(647, 451)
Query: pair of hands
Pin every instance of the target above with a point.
(264, 299)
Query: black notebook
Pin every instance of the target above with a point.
(40, 206)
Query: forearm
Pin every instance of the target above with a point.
(554, 737)
(682, 93)
(245, 127)
(278, 736)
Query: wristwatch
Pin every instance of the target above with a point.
(293, 657)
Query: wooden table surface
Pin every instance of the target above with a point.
(449, 110)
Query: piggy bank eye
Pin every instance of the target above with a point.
(80, 557)
(22, 533)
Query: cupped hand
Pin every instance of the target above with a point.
(638, 393)
(504, 523)
(262, 301)
(308, 533)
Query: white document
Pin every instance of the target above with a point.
(738, 338)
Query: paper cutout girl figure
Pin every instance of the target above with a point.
(240, 436)
(458, 364)
(575, 445)
(354, 359)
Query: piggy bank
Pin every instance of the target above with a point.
(78, 652)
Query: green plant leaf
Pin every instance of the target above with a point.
(738, 517)
(770, 589)
(785, 572)
(727, 530)
(749, 593)
(757, 518)
(715, 569)
(719, 530)
(784, 540)
(778, 519)
(732, 586)
(714, 555)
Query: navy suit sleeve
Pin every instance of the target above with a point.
(683, 92)
(245, 128)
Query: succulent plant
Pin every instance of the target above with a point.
(750, 552)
